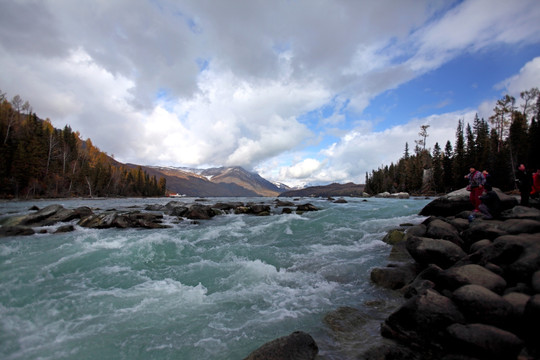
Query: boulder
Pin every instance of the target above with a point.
(518, 301)
(199, 212)
(449, 204)
(438, 229)
(532, 329)
(458, 276)
(16, 231)
(442, 253)
(65, 215)
(535, 282)
(422, 319)
(458, 201)
(521, 212)
(483, 229)
(40, 215)
(479, 245)
(517, 255)
(394, 277)
(393, 237)
(340, 201)
(296, 346)
(424, 281)
(482, 305)
(484, 341)
(416, 230)
(306, 207)
(521, 226)
(65, 229)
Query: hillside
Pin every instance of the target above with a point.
(334, 189)
(222, 181)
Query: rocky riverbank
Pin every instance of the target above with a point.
(472, 289)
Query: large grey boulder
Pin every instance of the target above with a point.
(40, 215)
(482, 305)
(442, 253)
(521, 212)
(517, 255)
(296, 346)
(458, 201)
(422, 319)
(458, 276)
(394, 277)
(438, 229)
(485, 341)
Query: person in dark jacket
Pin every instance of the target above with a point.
(524, 182)
(490, 205)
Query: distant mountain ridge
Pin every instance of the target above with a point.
(334, 189)
(221, 181)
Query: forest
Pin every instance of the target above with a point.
(38, 160)
(511, 136)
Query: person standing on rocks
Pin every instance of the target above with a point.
(524, 181)
(535, 191)
(476, 186)
(487, 178)
(490, 205)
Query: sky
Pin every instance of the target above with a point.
(303, 92)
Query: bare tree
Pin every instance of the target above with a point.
(16, 103)
(530, 97)
(502, 117)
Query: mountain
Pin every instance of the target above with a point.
(334, 189)
(222, 181)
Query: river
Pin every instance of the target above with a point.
(214, 290)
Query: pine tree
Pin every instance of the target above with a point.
(438, 170)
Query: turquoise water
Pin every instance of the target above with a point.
(216, 290)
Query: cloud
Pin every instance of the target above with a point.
(279, 86)
(527, 78)
(359, 152)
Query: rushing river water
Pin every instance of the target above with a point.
(214, 290)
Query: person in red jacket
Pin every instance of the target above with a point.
(535, 189)
(476, 186)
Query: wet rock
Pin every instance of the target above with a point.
(394, 236)
(458, 276)
(394, 277)
(340, 201)
(518, 301)
(65, 229)
(438, 229)
(535, 282)
(485, 341)
(458, 201)
(41, 215)
(199, 212)
(482, 305)
(307, 207)
(521, 212)
(16, 231)
(443, 253)
(296, 346)
(422, 319)
(517, 255)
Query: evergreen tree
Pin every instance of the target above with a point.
(448, 168)
(459, 165)
(438, 170)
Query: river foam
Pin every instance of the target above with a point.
(217, 289)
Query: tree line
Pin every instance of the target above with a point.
(511, 136)
(38, 160)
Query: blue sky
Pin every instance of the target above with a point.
(302, 92)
